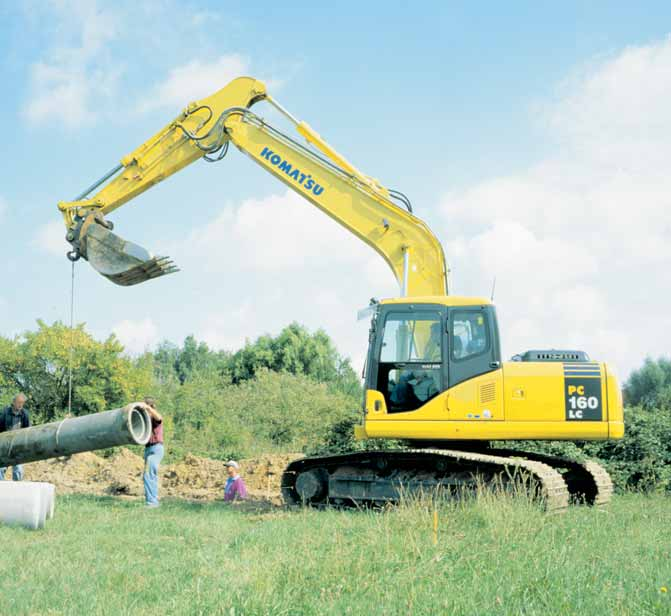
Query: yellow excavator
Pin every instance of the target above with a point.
(434, 374)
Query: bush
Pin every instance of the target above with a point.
(639, 461)
(273, 412)
(339, 438)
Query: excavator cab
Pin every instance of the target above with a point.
(421, 349)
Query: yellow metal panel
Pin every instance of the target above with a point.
(434, 409)
(526, 400)
(534, 391)
(375, 403)
(443, 300)
(479, 398)
(360, 433)
(486, 430)
(615, 405)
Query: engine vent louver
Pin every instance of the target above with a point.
(487, 393)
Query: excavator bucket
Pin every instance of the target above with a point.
(122, 262)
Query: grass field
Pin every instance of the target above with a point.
(497, 555)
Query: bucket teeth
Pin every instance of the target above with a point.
(154, 268)
(121, 261)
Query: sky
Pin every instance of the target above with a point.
(534, 138)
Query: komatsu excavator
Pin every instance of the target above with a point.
(434, 374)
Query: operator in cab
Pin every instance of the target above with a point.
(415, 387)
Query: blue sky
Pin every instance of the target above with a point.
(533, 137)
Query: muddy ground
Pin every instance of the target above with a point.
(194, 478)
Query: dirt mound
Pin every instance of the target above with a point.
(121, 474)
(193, 478)
(68, 474)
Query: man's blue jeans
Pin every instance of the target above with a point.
(152, 458)
(17, 472)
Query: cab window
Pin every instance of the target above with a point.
(470, 336)
(410, 360)
(416, 339)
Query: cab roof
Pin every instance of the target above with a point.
(443, 300)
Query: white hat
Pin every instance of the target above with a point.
(234, 464)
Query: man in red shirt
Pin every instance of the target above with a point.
(153, 452)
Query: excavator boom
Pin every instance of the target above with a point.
(320, 174)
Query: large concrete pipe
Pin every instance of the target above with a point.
(23, 503)
(49, 500)
(126, 426)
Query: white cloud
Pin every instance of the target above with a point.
(275, 233)
(67, 84)
(580, 243)
(137, 336)
(50, 238)
(267, 262)
(195, 80)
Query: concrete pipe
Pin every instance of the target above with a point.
(49, 503)
(23, 503)
(126, 426)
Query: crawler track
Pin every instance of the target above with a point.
(379, 477)
(588, 482)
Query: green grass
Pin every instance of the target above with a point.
(494, 556)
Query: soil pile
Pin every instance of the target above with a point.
(193, 478)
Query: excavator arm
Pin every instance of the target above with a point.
(318, 173)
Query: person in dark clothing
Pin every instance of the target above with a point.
(14, 417)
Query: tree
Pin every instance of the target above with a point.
(194, 359)
(650, 385)
(270, 413)
(197, 358)
(296, 351)
(37, 363)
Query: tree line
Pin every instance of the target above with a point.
(287, 393)
(275, 394)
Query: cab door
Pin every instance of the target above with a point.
(475, 376)
(408, 362)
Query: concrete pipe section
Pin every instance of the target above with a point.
(49, 500)
(25, 503)
(125, 426)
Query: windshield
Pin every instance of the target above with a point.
(415, 339)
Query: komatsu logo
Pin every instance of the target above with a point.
(304, 179)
